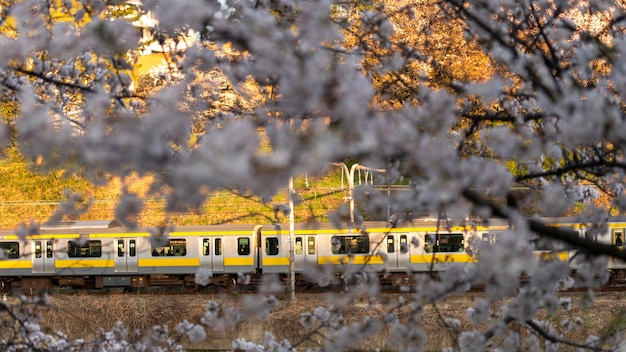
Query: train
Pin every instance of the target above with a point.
(104, 254)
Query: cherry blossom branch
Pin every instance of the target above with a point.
(558, 233)
(543, 333)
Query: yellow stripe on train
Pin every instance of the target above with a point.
(441, 258)
(15, 264)
(182, 261)
(43, 237)
(275, 261)
(168, 261)
(120, 235)
(549, 255)
(246, 261)
(83, 263)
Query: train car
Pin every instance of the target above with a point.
(553, 250)
(37, 262)
(101, 255)
(548, 249)
(613, 234)
(374, 247)
(444, 246)
(226, 250)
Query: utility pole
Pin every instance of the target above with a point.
(292, 257)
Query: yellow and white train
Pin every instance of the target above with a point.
(103, 254)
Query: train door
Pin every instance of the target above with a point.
(212, 256)
(125, 255)
(397, 246)
(311, 251)
(299, 253)
(305, 250)
(617, 239)
(43, 256)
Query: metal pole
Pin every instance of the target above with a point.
(354, 167)
(292, 271)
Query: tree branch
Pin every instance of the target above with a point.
(558, 233)
(535, 327)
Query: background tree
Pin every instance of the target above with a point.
(424, 47)
(554, 106)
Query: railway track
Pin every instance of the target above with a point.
(174, 288)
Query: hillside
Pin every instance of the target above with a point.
(26, 195)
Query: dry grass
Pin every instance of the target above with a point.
(81, 316)
(325, 194)
(145, 63)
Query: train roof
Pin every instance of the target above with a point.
(115, 227)
(349, 227)
(82, 225)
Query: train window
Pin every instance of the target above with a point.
(120, 248)
(298, 249)
(488, 237)
(243, 246)
(430, 242)
(350, 244)
(9, 250)
(391, 246)
(271, 246)
(494, 236)
(95, 248)
(37, 249)
(311, 245)
(48, 249)
(541, 243)
(218, 246)
(447, 243)
(178, 247)
(132, 250)
(618, 238)
(404, 244)
(206, 246)
(451, 242)
(87, 249)
(175, 247)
